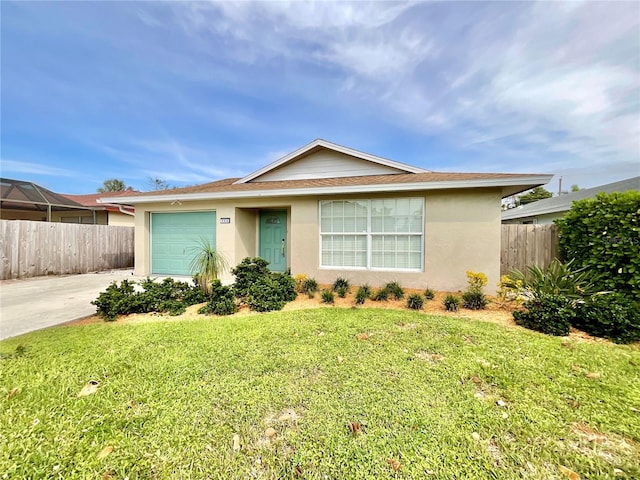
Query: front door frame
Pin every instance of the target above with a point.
(283, 212)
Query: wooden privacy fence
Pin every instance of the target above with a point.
(30, 249)
(526, 245)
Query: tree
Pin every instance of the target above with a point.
(158, 184)
(113, 185)
(534, 195)
(575, 188)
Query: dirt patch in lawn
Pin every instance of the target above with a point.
(496, 311)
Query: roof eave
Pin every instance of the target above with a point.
(508, 184)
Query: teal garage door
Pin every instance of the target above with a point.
(175, 238)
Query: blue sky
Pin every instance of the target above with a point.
(193, 92)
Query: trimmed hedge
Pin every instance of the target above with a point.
(551, 314)
(609, 315)
(603, 235)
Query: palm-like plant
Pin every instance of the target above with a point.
(207, 265)
(557, 279)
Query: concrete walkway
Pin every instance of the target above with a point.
(33, 303)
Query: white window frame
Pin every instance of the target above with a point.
(369, 236)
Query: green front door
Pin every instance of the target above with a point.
(175, 238)
(273, 239)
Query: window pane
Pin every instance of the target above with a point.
(394, 226)
(344, 250)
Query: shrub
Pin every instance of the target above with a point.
(451, 303)
(602, 234)
(366, 289)
(327, 296)
(509, 289)
(361, 295)
(342, 291)
(394, 290)
(341, 283)
(168, 296)
(415, 301)
(286, 286)
(473, 298)
(557, 279)
(300, 280)
(222, 300)
(310, 286)
(429, 294)
(264, 295)
(609, 315)
(547, 313)
(248, 273)
(115, 300)
(381, 295)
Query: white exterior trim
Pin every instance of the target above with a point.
(347, 189)
(331, 146)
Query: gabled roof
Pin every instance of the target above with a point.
(323, 144)
(510, 183)
(23, 195)
(563, 202)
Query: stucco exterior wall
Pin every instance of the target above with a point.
(121, 219)
(462, 232)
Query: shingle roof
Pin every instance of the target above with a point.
(91, 199)
(563, 202)
(229, 185)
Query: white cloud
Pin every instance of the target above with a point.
(555, 76)
(17, 166)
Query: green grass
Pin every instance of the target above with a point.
(172, 396)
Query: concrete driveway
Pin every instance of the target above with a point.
(33, 303)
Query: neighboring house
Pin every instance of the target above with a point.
(547, 210)
(101, 213)
(22, 200)
(327, 211)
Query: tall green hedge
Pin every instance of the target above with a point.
(603, 234)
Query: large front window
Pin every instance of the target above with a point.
(385, 234)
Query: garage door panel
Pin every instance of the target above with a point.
(175, 238)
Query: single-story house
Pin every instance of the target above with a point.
(24, 200)
(101, 213)
(547, 210)
(326, 211)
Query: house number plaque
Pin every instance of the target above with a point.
(225, 220)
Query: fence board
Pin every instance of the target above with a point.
(527, 245)
(29, 249)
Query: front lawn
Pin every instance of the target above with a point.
(317, 394)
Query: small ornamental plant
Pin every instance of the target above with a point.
(362, 294)
(341, 284)
(509, 289)
(451, 303)
(473, 298)
(327, 296)
(300, 280)
(310, 287)
(429, 294)
(395, 290)
(415, 301)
